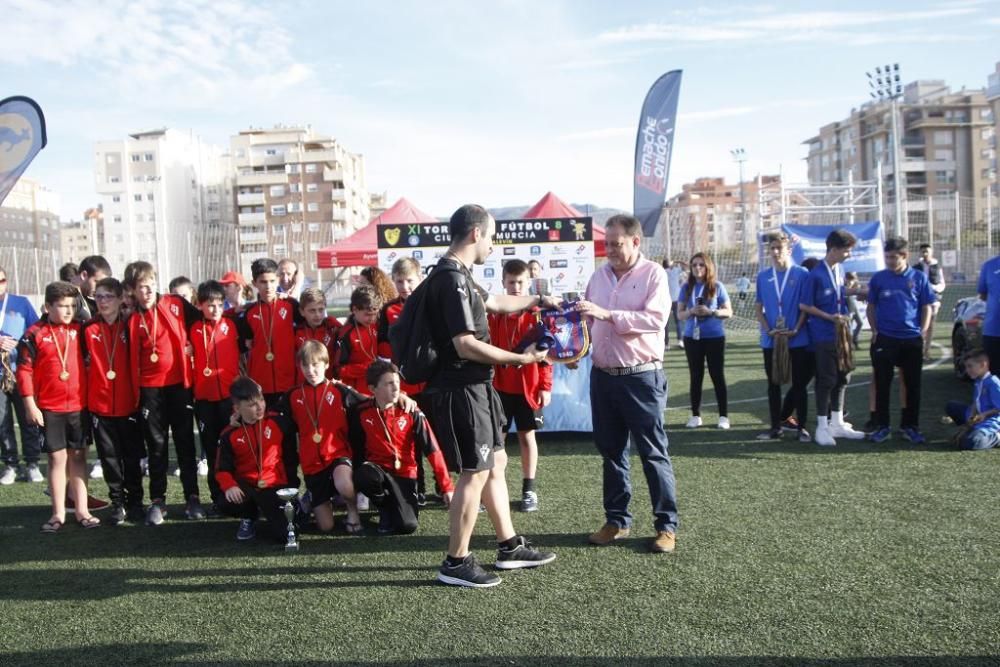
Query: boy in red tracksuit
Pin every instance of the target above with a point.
(249, 466)
(358, 338)
(385, 440)
(161, 368)
(315, 325)
(112, 397)
(52, 380)
(318, 408)
(267, 334)
(523, 390)
(215, 349)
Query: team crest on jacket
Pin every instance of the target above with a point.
(175, 310)
(401, 423)
(267, 432)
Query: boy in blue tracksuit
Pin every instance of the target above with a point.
(16, 315)
(984, 413)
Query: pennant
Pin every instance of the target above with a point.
(22, 135)
(653, 146)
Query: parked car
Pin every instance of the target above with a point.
(967, 332)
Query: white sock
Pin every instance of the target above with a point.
(822, 422)
(836, 417)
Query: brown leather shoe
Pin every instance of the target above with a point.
(663, 543)
(608, 534)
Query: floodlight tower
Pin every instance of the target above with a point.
(885, 85)
(740, 156)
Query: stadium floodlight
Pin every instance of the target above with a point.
(888, 86)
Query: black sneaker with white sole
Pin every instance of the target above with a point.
(521, 555)
(468, 573)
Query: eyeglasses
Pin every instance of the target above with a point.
(698, 264)
(104, 297)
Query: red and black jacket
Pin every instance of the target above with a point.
(270, 327)
(357, 349)
(530, 380)
(169, 320)
(326, 405)
(39, 366)
(386, 436)
(390, 313)
(325, 334)
(106, 349)
(245, 447)
(216, 347)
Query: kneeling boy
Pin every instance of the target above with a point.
(981, 419)
(385, 441)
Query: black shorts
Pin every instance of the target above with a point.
(64, 430)
(468, 422)
(523, 416)
(320, 485)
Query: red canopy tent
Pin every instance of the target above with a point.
(361, 247)
(550, 206)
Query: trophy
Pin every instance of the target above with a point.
(288, 495)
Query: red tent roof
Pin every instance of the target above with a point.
(361, 247)
(550, 206)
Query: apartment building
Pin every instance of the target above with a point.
(993, 98)
(168, 199)
(297, 192)
(29, 217)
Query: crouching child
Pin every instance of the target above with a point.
(980, 421)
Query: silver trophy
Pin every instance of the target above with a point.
(288, 495)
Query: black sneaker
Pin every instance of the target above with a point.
(135, 514)
(773, 434)
(213, 512)
(468, 573)
(117, 515)
(193, 510)
(385, 524)
(421, 500)
(522, 555)
(156, 513)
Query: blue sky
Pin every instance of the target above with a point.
(493, 102)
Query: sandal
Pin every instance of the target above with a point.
(52, 526)
(90, 522)
(353, 528)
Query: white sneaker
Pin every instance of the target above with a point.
(694, 422)
(176, 472)
(724, 423)
(144, 466)
(34, 474)
(363, 504)
(96, 471)
(8, 476)
(203, 468)
(823, 437)
(845, 431)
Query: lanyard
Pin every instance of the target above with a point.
(396, 463)
(3, 311)
(779, 290)
(259, 454)
(696, 293)
(834, 274)
(314, 415)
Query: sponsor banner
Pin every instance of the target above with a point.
(654, 143)
(563, 246)
(810, 241)
(22, 135)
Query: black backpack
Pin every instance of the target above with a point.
(411, 339)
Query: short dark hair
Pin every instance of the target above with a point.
(94, 263)
(245, 389)
(809, 263)
(896, 244)
(68, 271)
(211, 289)
(59, 290)
(262, 266)
(377, 369)
(136, 272)
(365, 297)
(178, 281)
(467, 218)
(515, 267)
(976, 353)
(112, 285)
(840, 238)
(925, 246)
(776, 237)
(629, 224)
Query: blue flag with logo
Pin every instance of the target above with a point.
(810, 241)
(653, 145)
(22, 135)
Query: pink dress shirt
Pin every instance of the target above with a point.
(639, 303)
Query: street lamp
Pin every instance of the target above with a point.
(740, 156)
(885, 85)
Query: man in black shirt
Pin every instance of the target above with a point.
(465, 411)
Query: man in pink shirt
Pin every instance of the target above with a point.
(628, 302)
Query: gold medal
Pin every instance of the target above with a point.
(397, 464)
(317, 437)
(269, 356)
(64, 376)
(111, 375)
(780, 324)
(207, 372)
(154, 357)
(261, 484)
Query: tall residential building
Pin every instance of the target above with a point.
(993, 97)
(80, 238)
(167, 198)
(945, 137)
(29, 217)
(297, 192)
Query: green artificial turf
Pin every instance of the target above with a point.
(787, 554)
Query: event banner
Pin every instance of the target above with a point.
(563, 246)
(22, 135)
(866, 256)
(653, 144)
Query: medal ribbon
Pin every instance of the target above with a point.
(259, 454)
(388, 437)
(208, 342)
(111, 353)
(318, 404)
(156, 326)
(780, 290)
(62, 354)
